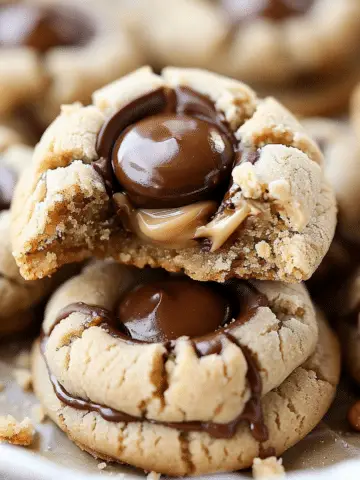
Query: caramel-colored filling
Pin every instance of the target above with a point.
(170, 227)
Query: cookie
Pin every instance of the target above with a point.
(347, 323)
(47, 53)
(133, 378)
(252, 202)
(341, 149)
(304, 52)
(16, 294)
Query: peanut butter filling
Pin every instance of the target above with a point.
(171, 227)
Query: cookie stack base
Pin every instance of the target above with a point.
(291, 411)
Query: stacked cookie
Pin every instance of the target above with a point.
(216, 355)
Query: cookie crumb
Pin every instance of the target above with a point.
(263, 249)
(23, 378)
(153, 476)
(268, 468)
(16, 433)
(22, 359)
(38, 413)
(102, 465)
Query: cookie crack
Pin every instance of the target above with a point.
(291, 407)
(161, 386)
(206, 452)
(185, 453)
(319, 377)
(120, 441)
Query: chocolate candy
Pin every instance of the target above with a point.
(42, 28)
(168, 148)
(170, 160)
(242, 10)
(166, 310)
(7, 184)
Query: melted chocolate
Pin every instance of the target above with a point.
(249, 300)
(168, 148)
(8, 180)
(42, 28)
(166, 310)
(243, 10)
(171, 160)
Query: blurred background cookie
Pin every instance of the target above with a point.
(48, 51)
(17, 296)
(304, 52)
(341, 149)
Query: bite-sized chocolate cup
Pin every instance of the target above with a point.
(183, 366)
(186, 171)
(55, 52)
(303, 52)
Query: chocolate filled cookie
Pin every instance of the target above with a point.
(186, 171)
(17, 296)
(47, 52)
(187, 370)
(305, 52)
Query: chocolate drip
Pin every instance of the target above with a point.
(249, 300)
(252, 413)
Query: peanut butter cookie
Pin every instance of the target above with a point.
(186, 171)
(166, 373)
